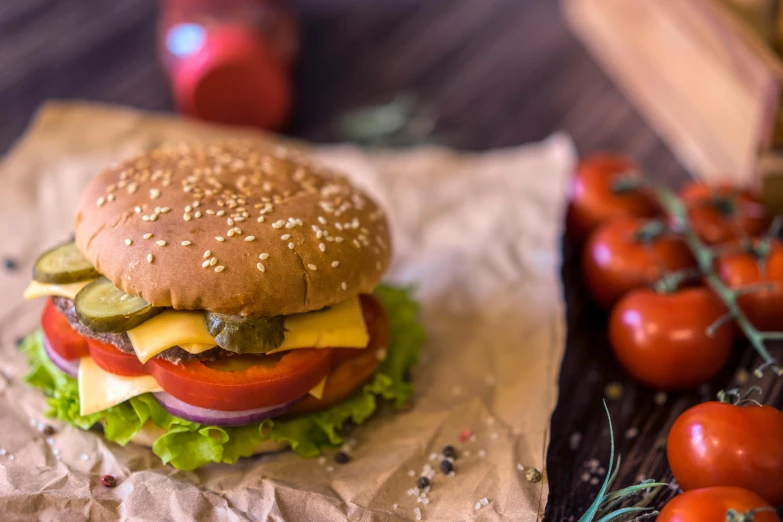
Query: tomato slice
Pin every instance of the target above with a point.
(258, 386)
(114, 360)
(345, 379)
(64, 340)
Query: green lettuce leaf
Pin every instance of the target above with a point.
(187, 445)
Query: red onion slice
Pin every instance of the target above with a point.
(211, 417)
(71, 367)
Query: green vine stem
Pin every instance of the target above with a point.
(748, 516)
(705, 256)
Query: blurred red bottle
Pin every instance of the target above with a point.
(230, 61)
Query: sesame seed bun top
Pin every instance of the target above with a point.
(239, 227)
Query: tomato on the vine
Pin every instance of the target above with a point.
(713, 504)
(628, 253)
(594, 197)
(719, 444)
(661, 339)
(720, 213)
(763, 306)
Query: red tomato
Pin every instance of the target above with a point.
(717, 444)
(722, 213)
(593, 200)
(764, 307)
(114, 360)
(661, 339)
(341, 382)
(64, 340)
(618, 258)
(712, 504)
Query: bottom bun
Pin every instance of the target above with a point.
(149, 433)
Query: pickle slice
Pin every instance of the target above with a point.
(104, 308)
(63, 264)
(239, 334)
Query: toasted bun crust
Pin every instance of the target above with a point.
(283, 235)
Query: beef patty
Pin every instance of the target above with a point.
(121, 340)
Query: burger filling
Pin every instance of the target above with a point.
(196, 375)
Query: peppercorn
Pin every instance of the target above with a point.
(47, 430)
(341, 457)
(450, 452)
(446, 467)
(10, 264)
(109, 481)
(423, 482)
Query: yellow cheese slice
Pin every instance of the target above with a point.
(35, 289)
(99, 389)
(167, 329)
(318, 389)
(341, 326)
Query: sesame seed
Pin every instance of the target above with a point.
(220, 213)
(230, 222)
(129, 242)
(250, 238)
(147, 235)
(145, 218)
(260, 266)
(197, 214)
(101, 201)
(263, 256)
(186, 217)
(165, 210)
(185, 243)
(339, 239)
(150, 258)
(322, 247)
(210, 212)
(290, 225)
(110, 197)
(153, 217)
(188, 208)
(319, 234)
(312, 267)
(205, 264)
(196, 204)
(278, 224)
(219, 268)
(285, 237)
(335, 264)
(343, 285)
(338, 226)
(161, 242)
(213, 261)
(137, 209)
(220, 238)
(154, 193)
(239, 219)
(260, 219)
(291, 245)
(207, 253)
(237, 230)
(321, 220)
(231, 232)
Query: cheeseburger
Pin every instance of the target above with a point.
(219, 301)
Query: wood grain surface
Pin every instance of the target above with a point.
(498, 73)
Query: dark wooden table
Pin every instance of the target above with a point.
(498, 72)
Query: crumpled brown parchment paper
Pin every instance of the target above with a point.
(478, 233)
